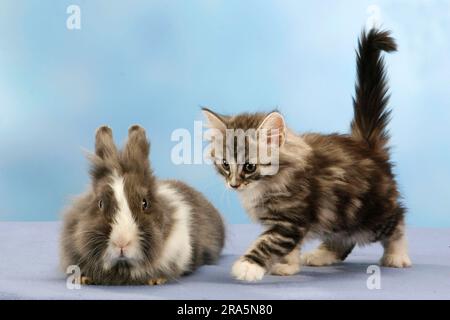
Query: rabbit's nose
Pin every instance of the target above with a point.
(122, 244)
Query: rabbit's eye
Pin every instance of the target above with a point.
(144, 204)
(100, 204)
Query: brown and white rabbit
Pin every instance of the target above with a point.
(130, 228)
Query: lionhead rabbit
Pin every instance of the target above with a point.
(130, 228)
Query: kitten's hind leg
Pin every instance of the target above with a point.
(328, 253)
(288, 265)
(396, 249)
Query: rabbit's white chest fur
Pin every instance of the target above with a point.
(177, 248)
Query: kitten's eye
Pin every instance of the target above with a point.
(249, 167)
(144, 204)
(100, 204)
(225, 164)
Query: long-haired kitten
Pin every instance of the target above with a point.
(338, 187)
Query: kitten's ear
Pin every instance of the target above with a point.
(137, 149)
(214, 120)
(104, 143)
(273, 125)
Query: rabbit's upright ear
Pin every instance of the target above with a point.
(137, 149)
(105, 159)
(104, 144)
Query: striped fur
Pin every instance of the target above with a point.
(337, 187)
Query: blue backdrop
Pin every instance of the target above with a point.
(155, 62)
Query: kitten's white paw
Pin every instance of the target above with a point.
(396, 260)
(318, 258)
(247, 271)
(284, 269)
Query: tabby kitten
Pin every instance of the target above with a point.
(337, 187)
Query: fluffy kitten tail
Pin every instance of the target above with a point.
(371, 114)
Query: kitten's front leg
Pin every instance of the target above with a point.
(278, 241)
(329, 252)
(246, 270)
(288, 265)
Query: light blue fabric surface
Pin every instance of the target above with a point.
(29, 270)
